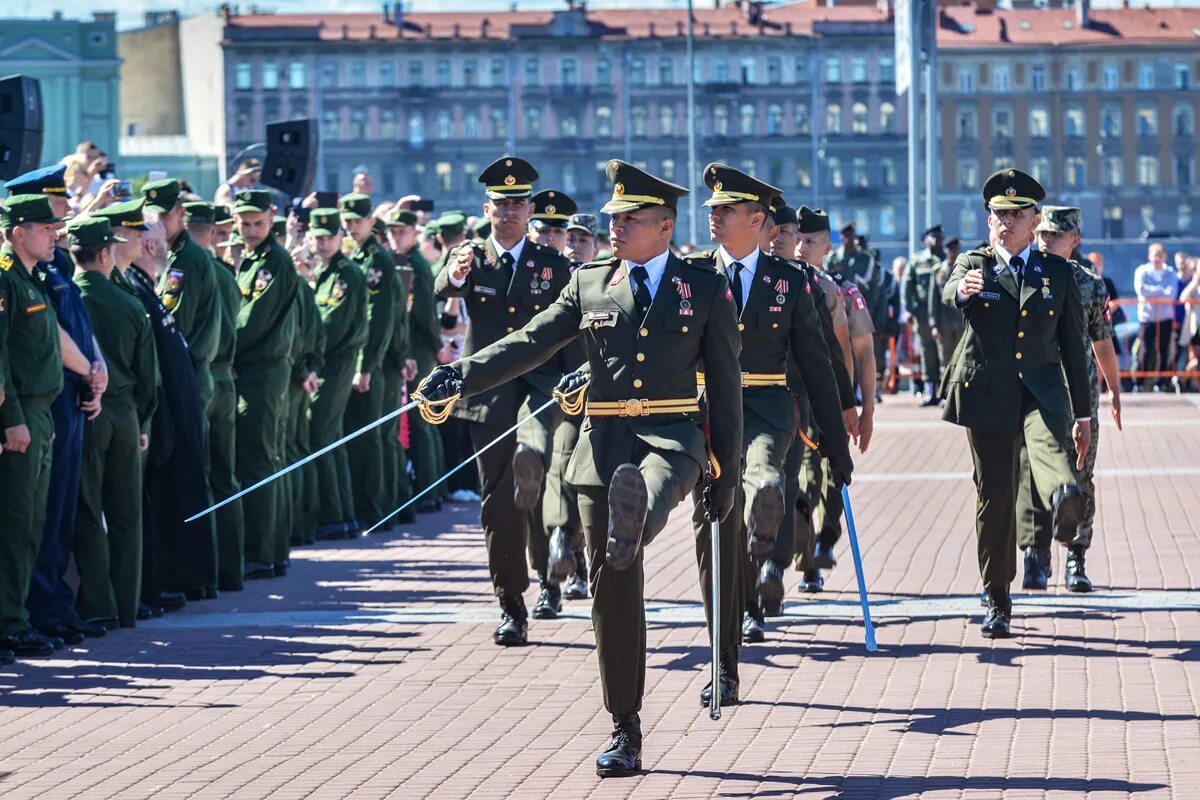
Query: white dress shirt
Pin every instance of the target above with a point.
(655, 269)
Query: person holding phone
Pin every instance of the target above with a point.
(248, 175)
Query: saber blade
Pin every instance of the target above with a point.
(858, 569)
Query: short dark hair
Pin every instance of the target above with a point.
(667, 212)
(87, 255)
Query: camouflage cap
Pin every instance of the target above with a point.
(1059, 219)
(584, 222)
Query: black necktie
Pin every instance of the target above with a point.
(641, 294)
(737, 285)
(1018, 266)
(507, 261)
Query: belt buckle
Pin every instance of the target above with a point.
(634, 408)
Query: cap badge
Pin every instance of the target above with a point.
(551, 209)
(509, 180)
(619, 189)
(1010, 191)
(718, 186)
(152, 193)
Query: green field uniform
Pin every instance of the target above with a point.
(1006, 385)
(267, 325)
(305, 357)
(108, 525)
(425, 339)
(31, 365)
(918, 288)
(363, 408)
(222, 438)
(188, 288)
(948, 321)
(397, 488)
(341, 297)
(853, 266)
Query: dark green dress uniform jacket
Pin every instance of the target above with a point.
(308, 346)
(774, 331)
(30, 359)
(1016, 339)
(598, 305)
(379, 269)
(424, 329)
(123, 331)
(267, 319)
(341, 294)
(499, 303)
(188, 287)
(229, 298)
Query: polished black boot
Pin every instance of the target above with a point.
(628, 500)
(995, 621)
(812, 582)
(823, 555)
(528, 471)
(549, 604)
(561, 562)
(514, 623)
(1035, 573)
(1069, 505)
(766, 513)
(770, 589)
(752, 629)
(1076, 579)
(577, 584)
(729, 683)
(623, 754)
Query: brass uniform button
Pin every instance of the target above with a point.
(508, 330)
(637, 383)
(741, 326)
(1020, 334)
(966, 384)
(684, 329)
(987, 305)
(644, 332)
(774, 324)
(1019, 356)
(537, 308)
(1024, 312)
(641, 356)
(512, 309)
(483, 299)
(1052, 312)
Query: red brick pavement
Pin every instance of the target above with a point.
(369, 671)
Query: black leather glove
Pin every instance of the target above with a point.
(724, 498)
(840, 469)
(449, 322)
(571, 382)
(444, 382)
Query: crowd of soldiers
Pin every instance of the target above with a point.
(163, 352)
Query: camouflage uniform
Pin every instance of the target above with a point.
(918, 286)
(948, 321)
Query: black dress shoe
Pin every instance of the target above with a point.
(67, 634)
(1035, 575)
(1076, 579)
(995, 622)
(7, 657)
(622, 755)
(729, 684)
(823, 556)
(628, 500)
(90, 630)
(985, 598)
(528, 471)
(549, 604)
(766, 514)
(514, 623)
(258, 572)
(576, 588)
(770, 589)
(171, 601)
(752, 630)
(28, 644)
(561, 559)
(1069, 506)
(812, 582)
(108, 623)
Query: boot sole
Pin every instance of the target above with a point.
(627, 503)
(766, 514)
(620, 773)
(528, 471)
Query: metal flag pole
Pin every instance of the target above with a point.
(311, 457)
(858, 569)
(468, 460)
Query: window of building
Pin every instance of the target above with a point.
(803, 123)
(1039, 168)
(330, 124)
(803, 176)
(1148, 218)
(887, 172)
(774, 119)
(472, 126)
(859, 165)
(499, 120)
(1147, 121)
(1037, 78)
(568, 125)
(1002, 123)
(1073, 122)
(639, 120)
(774, 70)
(637, 72)
(887, 69)
(833, 167)
(966, 80)
(1110, 78)
(887, 221)
(533, 122)
(1110, 121)
(299, 107)
(533, 72)
(568, 70)
(1146, 76)
(1002, 162)
(833, 118)
(748, 69)
(1112, 171)
(1183, 77)
(666, 121)
(603, 72)
(328, 75)
(297, 75)
(1183, 121)
(1001, 78)
(858, 118)
(416, 73)
(499, 70)
(358, 74)
(1073, 79)
(270, 111)
(833, 69)
(775, 172)
(442, 72)
(968, 123)
(357, 130)
(1184, 166)
(749, 166)
(445, 177)
(968, 174)
(569, 183)
(721, 121)
(1039, 122)
(417, 178)
(387, 73)
(1183, 218)
(243, 76)
(666, 72)
(887, 117)
(416, 130)
(721, 71)
(444, 123)
(387, 123)
(270, 75)
(1075, 172)
(470, 70)
(1147, 170)
(858, 69)
(800, 69)
(604, 126)
(749, 117)
(968, 220)
(667, 169)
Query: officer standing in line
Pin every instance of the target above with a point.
(425, 339)
(1024, 329)
(505, 282)
(946, 323)
(341, 295)
(918, 287)
(848, 260)
(366, 401)
(31, 362)
(1059, 234)
(108, 541)
(267, 325)
(300, 514)
(51, 600)
(396, 369)
(205, 222)
(643, 447)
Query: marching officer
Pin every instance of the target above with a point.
(848, 259)
(505, 281)
(779, 325)
(341, 296)
(648, 320)
(108, 540)
(946, 324)
(267, 325)
(1006, 386)
(918, 287)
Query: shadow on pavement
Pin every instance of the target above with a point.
(892, 787)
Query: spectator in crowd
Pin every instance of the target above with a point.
(362, 183)
(1156, 286)
(247, 177)
(1189, 333)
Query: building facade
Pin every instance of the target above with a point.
(76, 64)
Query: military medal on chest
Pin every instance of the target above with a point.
(781, 288)
(1046, 289)
(685, 296)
